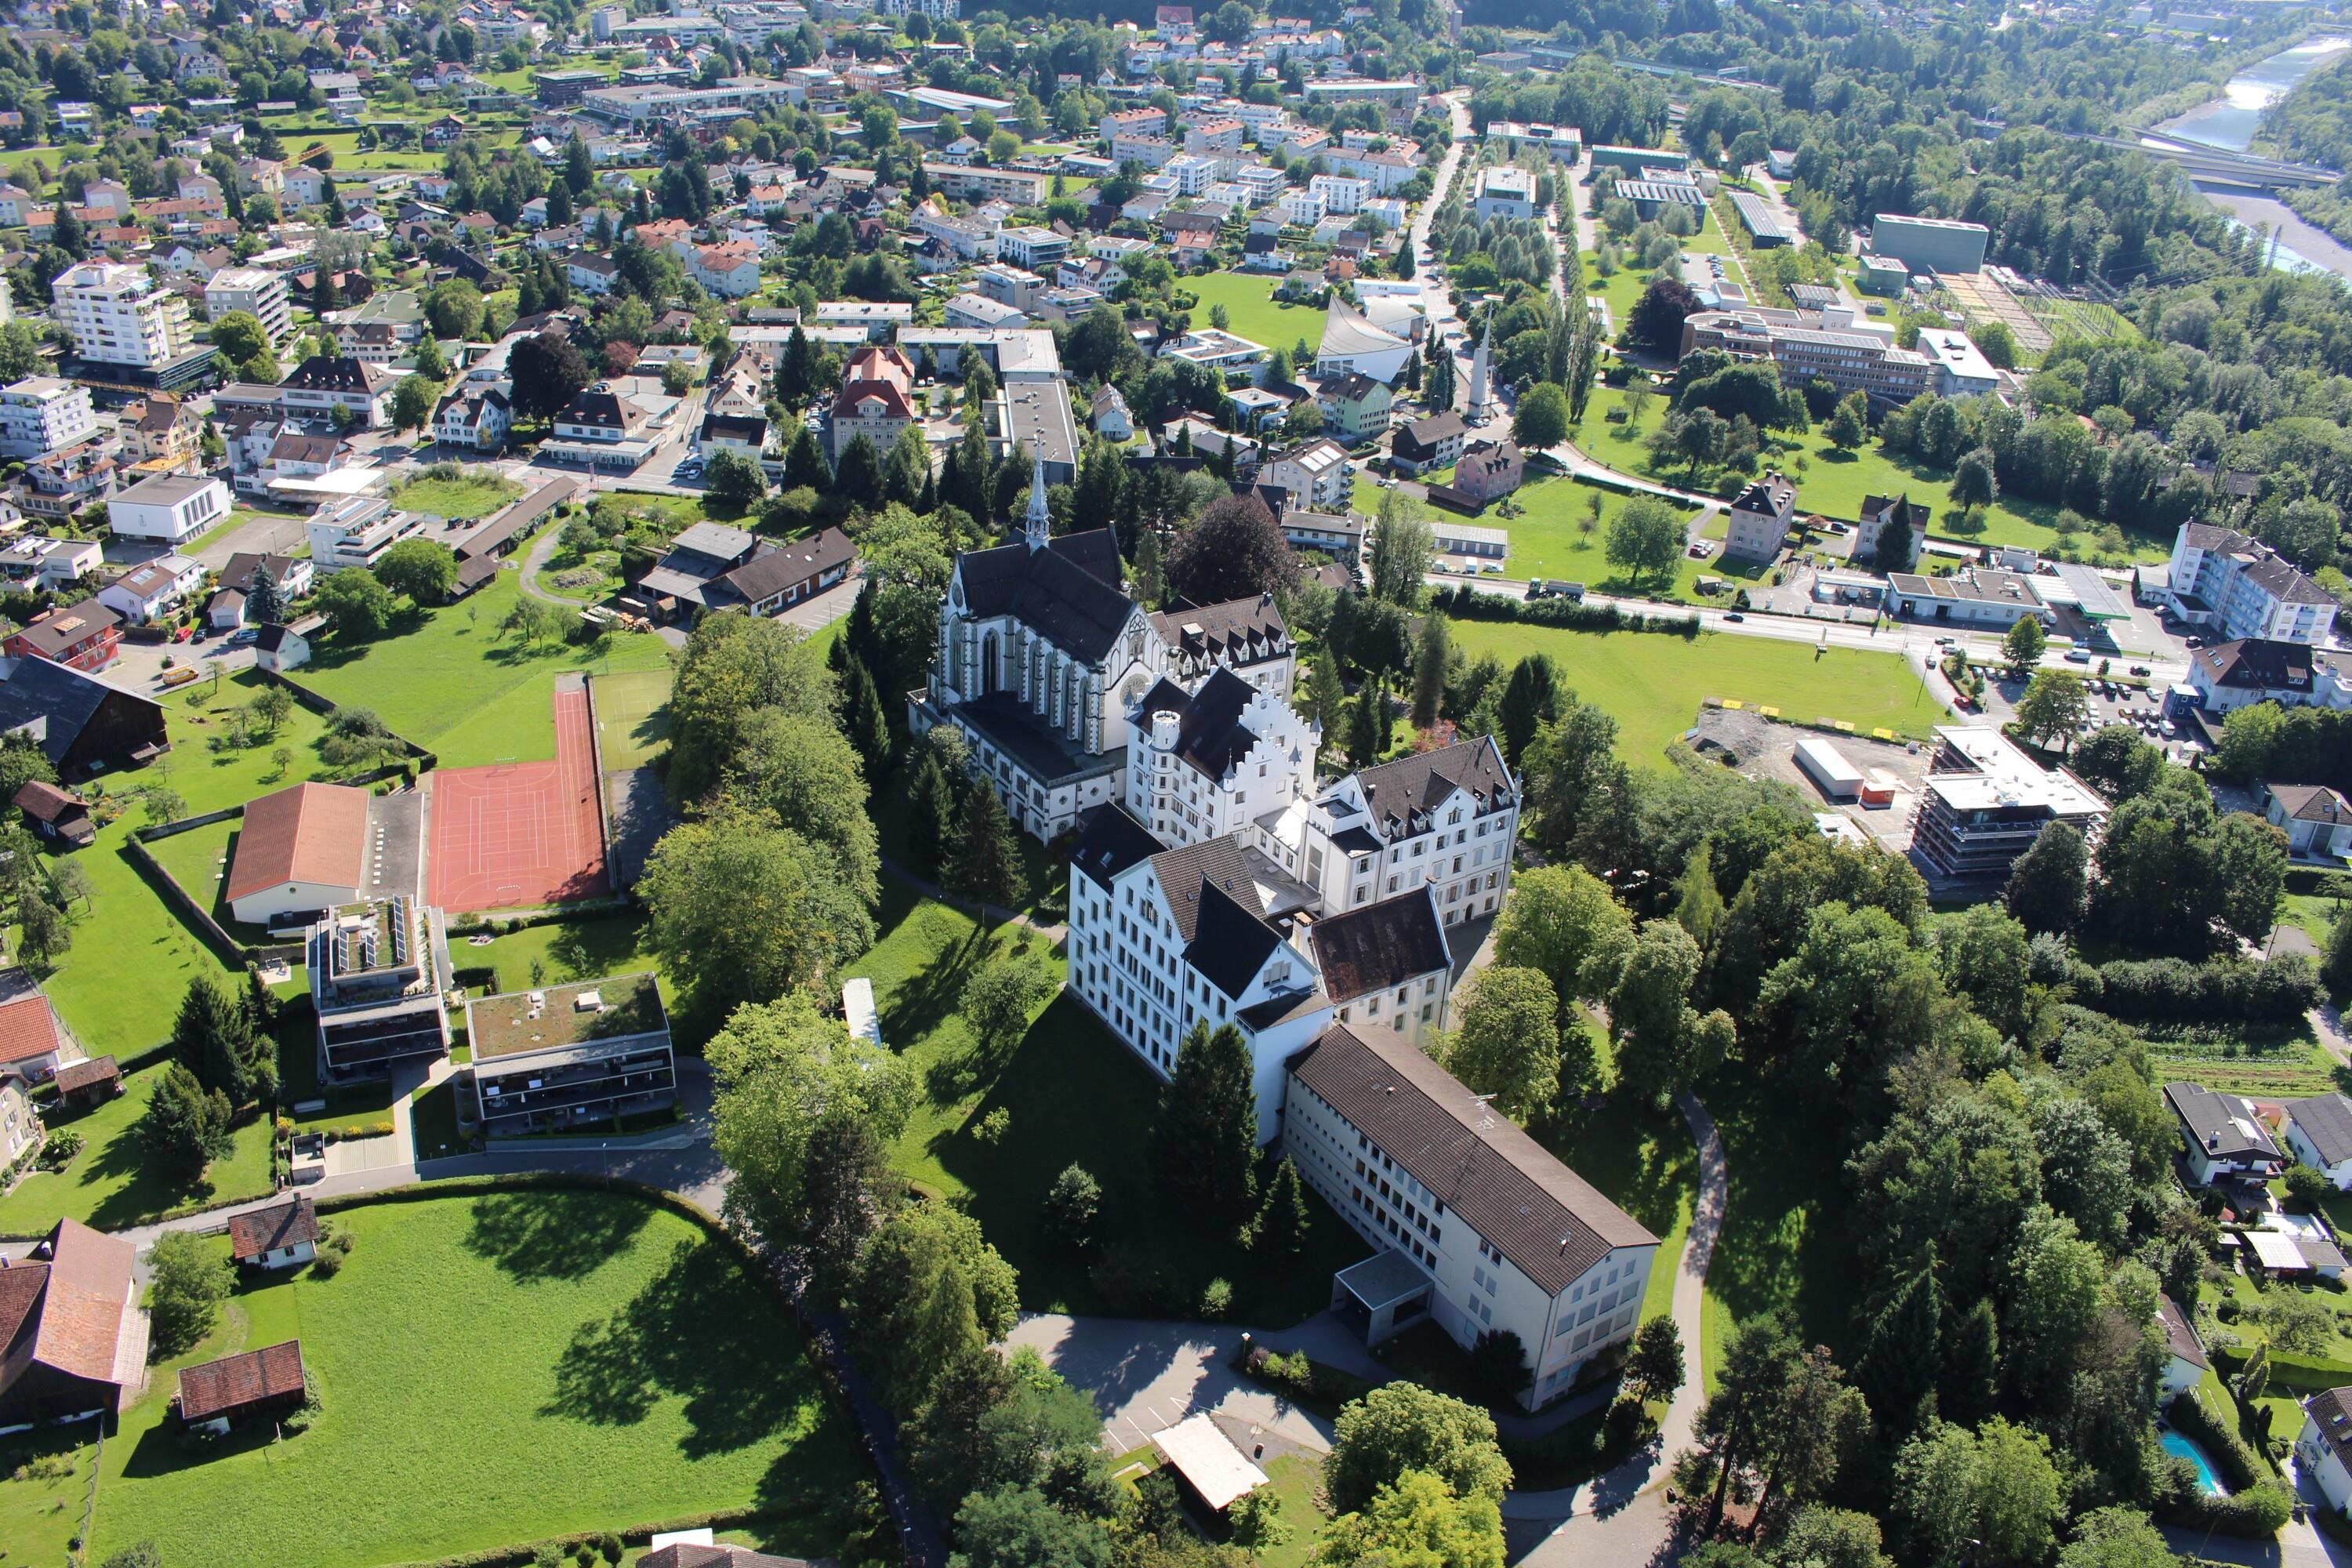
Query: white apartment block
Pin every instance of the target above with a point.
(2221, 578)
(117, 316)
(42, 414)
(1341, 193)
(967, 238)
(256, 290)
(1503, 191)
(1302, 210)
(1481, 1228)
(1446, 818)
(1193, 175)
(1152, 152)
(357, 531)
(1315, 473)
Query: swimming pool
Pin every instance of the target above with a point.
(2187, 1448)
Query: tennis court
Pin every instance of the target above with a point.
(632, 716)
(521, 835)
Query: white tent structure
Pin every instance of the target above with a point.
(1351, 342)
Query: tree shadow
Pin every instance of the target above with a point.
(552, 1235)
(695, 1332)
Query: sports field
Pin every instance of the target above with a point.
(1652, 684)
(521, 835)
(632, 717)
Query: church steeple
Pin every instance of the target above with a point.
(1037, 527)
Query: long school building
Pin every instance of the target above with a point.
(1479, 1227)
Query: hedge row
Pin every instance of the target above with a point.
(1465, 603)
(2239, 1464)
(506, 1556)
(2225, 990)
(2315, 1373)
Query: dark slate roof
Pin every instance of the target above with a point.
(1218, 917)
(257, 1231)
(2256, 664)
(776, 570)
(1550, 1222)
(2326, 1123)
(2224, 1125)
(58, 700)
(238, 573)
(2181, 1339)
(1376, 947)
(1111, 842)
(68, 627)
(1238, 631)
(1210, 733)
(1395, 791)
(2332, 1412)
(329, 373)
(1068, 593)
(1903, 509)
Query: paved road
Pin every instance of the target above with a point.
(1622, 1518)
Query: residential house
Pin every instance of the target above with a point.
(2318, 1128)
(33, 1045)
(1315, 474)
(20, 1125)
(282, 1235)
(2317, 820)
(1762, 516)
(1909, 521)
(600, 413)
(152, 591)
(2221, 1135)
(163, 434)
(50, 563)
(474, 417)
(55, 814)
(83, 636)
(1108, 412)
(1355, 407)
(1488, 468)
(2185, 1363)
(2323, 1449)
(876, 400)
(2231, 675)
(322, 384)
(283, 648)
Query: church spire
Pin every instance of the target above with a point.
(1038, 526)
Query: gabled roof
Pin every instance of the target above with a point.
(1395, 791)
(307, 833)
(45, 802)
(2325, 1123)
(2179, 1337)
(1214, 903)
(225, 1386)
(55, 701)
(72, 1307)
(87, 1073)
(1550, 1222)
(2312, 803)
(66, 629)
(1210, 735)
(2256, 664)
(1375, 946)
(257, 1231)
(1068, 592)
(1110, 843)
(1223, 632)
(2223, 1125)
(27, 1027)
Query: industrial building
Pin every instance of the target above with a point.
(1930, 243)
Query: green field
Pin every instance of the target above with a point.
(1654, 684)
(133, 958)
(1253, 310)
(633, 716)
(41, 1515)
(1071, 1093)
(1547, 540)
(493, 1371)
(587, 948)
(458, 686)
(459, 499)
(1780, 1245)
(110, 1186)
(1833, 483)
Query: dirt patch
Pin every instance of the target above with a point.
(1765, 748)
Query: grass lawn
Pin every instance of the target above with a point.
(1779, 1246)
(1295, 1478)
(1653, 683)
(588, 948)
(133, 958)
(1833, 483)
(632, 712)
(41, 1514)
(1549, 540)
(110, 1186)
(454, 684)
(458, 499)
(1253, 310)
(1071, 1093)
(1647, 1167)
(614, 1368)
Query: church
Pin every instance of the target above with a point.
(1044, 661)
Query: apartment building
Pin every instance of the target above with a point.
(576, 1056)
(2241, 586)
(119, 318)
(1503, 191)
(1984, 800)
(356, 530)
(1761, 517)
(877, 400)
(256, 290)
(42, 414)
(1021, 187)
(373, 985)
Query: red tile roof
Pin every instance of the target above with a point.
(281, 1224)
(28, 1027)
(83, 1075)
(311, 833)
(90, 1292)
(225, 1386)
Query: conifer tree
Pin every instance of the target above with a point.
(986, 863)
(1279, 1232)
(1203, 1148)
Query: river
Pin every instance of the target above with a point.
(2230, 123)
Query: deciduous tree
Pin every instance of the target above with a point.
(1506, 1041)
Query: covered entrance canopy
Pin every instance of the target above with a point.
(1381, 1295)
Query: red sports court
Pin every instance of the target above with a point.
(521, 835)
